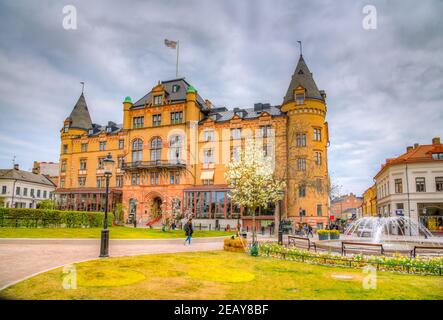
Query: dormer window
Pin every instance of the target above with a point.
(437, 156)
(300, 98)
(157, 100)
(108, 129)
(175, 88)
(66, 128)
(90, 131)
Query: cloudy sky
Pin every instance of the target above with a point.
(384, 85)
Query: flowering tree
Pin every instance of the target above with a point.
(251, 179)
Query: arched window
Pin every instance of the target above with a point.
(175, 148)
(156, 148)
(137, 146)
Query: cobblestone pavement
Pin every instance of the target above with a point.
(22, 258)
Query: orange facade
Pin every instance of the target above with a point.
(172, 149)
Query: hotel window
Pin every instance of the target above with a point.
(120, 162)
(439, 183)
(235, 153)
(174, 177)
(84, 147)
(319, 210)
(138, 122)
(420, 184)
(176, 117)
(265, 131)
(62, 182)
(135, 179)
(102, 145)
(300, 98)
(81, 181)
(208, 156)
(302, 191)
(155, 178)
(175, 149)
(100, 163)
(317, 157)
(65, 148)
(121, 143)
(208, 135)
(17, 191)
(137, 152)
(101, 181)
(236, 133)
(156, 120)
(82, 164)
(32, 193)
(437, 156)
(63, 166)
(157, 100)
(317, 134)
(301, 139)
(44, 194)
(398, 185)
(301, 164)
(25, 192)
(208, 182)
(119, 181)
(156, 149)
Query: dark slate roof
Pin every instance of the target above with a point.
(302, 77)
(223, 114)
(25, 176)
(79, 116)
(178, 96)
(96, 129)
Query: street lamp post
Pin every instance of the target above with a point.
(108, 165)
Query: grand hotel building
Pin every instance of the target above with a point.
(172, 149)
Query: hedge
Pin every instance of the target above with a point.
(47, 218)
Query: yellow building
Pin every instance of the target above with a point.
(369, 206)
(173, 147)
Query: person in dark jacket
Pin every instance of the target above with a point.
(188, 231)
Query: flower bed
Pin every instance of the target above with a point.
(235, 244)
(324, 234)
(397, 263)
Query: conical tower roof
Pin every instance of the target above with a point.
(302, 77)
(79, 116)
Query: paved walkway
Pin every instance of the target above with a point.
(21, 258)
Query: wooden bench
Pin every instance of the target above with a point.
(366, 246)
(414, 251)
(293, 240)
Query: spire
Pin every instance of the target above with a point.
(79, 116)
(302, 77)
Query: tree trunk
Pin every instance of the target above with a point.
(254, 232)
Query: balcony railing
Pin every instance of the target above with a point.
(156, 164)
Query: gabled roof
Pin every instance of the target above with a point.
(302, 77)
(79, 116)
(26, 176)
(178, 96)
(420, 153)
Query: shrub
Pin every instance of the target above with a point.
(47, 218)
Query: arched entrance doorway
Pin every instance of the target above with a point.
(156, 207)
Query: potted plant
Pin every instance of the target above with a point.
(323, 234)
(334, 234)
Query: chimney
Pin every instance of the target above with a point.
(436, 140)
(416, 145)
(409, 148)
(16, 166)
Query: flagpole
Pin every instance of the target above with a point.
(176, 66)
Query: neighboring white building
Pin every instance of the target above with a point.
(412, 185)
(23, 189)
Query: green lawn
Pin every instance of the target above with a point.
(115, 233)
(220, 275)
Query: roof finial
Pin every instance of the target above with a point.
(301, 49)
(83, 86)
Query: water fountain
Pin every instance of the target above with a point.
(397, 234)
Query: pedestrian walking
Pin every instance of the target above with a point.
(309, 231)
(188, 231)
